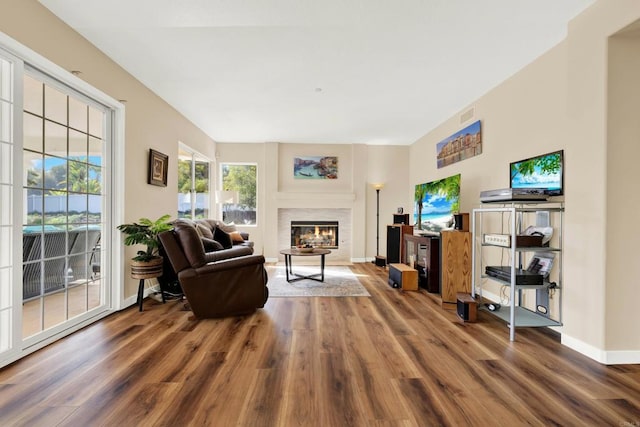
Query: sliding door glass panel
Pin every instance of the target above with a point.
(63, 225)
(32, 132)
(184, 185)
(201, 185)
(33, 99)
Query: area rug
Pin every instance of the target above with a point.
(339, 281)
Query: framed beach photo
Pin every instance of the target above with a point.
(158, 165)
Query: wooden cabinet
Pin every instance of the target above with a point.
(423, 254)
(456, 265)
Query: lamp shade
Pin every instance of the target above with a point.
(378, 186)
(227, 197)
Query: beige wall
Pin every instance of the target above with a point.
(559, 101)
(359, 167)
(150, 122)
(623, 200)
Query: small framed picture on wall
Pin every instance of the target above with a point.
(158, 165)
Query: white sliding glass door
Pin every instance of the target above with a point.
(58, 140)
(9, 274)
(64, 148)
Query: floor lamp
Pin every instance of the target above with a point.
(379, 261)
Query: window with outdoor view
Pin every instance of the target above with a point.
(239, 189)
(193, 184)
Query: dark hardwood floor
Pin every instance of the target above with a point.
(394, 359)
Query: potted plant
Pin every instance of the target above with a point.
(147, 263)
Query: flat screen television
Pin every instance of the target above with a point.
(544, 171)
(435, 203)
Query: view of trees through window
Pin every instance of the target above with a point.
(64, 146)
(193, 185)
(240, 178)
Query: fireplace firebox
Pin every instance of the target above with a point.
(319, 234)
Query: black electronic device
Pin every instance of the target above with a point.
(513, 195)
(401, 219)
(523, 277)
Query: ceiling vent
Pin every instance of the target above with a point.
(467, 115)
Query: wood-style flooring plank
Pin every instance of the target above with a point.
(392, 359)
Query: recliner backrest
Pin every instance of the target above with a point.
(190, 242)
(172, 248)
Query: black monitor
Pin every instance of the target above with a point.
(544, 171)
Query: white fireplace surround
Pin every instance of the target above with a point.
(342, 215)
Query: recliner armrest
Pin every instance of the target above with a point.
(233, 252)
(230, 263)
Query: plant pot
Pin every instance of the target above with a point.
(146, 269)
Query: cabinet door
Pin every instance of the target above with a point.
(456, 264)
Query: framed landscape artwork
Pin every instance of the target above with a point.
(158, 164)
(460, 146)
(315, 167)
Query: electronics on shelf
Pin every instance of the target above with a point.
(497, 239)
(523, 277)
(545, 171)
(513, 195)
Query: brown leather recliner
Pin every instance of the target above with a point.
(214, 288)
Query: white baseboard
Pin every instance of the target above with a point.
(612, 357)
(132, 300)
(271, 259)
(492, 297)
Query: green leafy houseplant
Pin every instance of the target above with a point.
(145, 232)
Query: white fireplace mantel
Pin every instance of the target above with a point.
(315, 196)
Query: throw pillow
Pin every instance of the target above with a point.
(204, 231)
(211, 245)
(236, 236)
(228, 228)
(222, 237)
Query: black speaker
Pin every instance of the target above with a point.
(401, 219)
(461, 221)
(467, 307)
(394, 236)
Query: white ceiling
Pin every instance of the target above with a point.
(320, 71)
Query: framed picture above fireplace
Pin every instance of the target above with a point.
(315, 167)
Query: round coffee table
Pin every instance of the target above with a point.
(288, 253)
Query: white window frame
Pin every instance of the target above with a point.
(220, 180)
(197, 156)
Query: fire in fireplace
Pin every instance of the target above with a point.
(319, 234)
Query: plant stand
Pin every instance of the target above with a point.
(146, 270)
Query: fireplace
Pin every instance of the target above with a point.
(319, 234)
